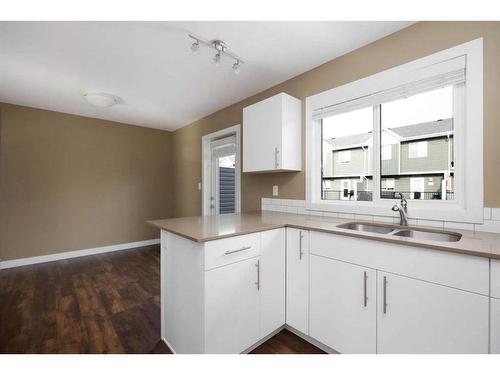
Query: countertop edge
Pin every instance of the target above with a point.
(342, 232)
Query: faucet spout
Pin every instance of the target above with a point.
(402, 208)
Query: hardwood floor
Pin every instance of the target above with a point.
(107, 303)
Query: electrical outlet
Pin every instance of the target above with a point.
(275, 190)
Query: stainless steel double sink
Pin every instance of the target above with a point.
(394, 230)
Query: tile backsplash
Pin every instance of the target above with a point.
(296, 206)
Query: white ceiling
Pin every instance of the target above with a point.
(149, 65)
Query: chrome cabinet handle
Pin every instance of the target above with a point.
(237, 250)
(365, 299)
(300, 244)
(276, 152)
(258, 275)
(385, 294)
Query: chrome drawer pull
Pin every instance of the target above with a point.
(385, 295)
(258, 275)
(365, 298)
(237, 250)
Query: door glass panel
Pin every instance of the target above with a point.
(417, 153)
(347, 142)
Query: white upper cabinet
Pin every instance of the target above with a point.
(272, 134)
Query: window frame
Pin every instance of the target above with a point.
(344, 153)
(468, 121)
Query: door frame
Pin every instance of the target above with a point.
(206, 162)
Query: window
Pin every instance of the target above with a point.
(417, 150)
(344, 157)
(347, 143)
(401, 131)
(386, 152)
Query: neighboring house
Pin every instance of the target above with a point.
(416, 160)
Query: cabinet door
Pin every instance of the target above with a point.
(343, 305)
(262, 124)
(420, 317)
(272, 281)
(495, 326)
(297, 276)
(232, 307)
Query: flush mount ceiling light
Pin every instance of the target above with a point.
(100, 99)
(220, 49)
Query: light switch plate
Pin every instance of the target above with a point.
(199, 185)
(275, 190)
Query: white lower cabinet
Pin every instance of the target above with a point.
(343, 305)
(420, 317)
(272, 281)
(297, 279)
(495, 326)
(232, 316)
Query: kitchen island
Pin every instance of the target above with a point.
(229, 282)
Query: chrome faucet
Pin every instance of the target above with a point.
(402, 208)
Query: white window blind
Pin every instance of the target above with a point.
(445, 73)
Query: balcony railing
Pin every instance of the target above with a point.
(365, 195)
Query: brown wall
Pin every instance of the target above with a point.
(408, 44)
(69, 182)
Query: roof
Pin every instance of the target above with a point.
(424, 129)
(415, 131)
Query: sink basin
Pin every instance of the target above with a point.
(362, 227)
(395, 230)
(428, 235)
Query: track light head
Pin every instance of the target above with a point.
(195, 47)
(236, 67)
(217, 59)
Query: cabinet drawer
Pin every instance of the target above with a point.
(456, 270)
(495, 278)
(229, 250)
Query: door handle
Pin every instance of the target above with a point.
(300, 244)
(385, 295)
(258, 275)
(365, 298)
(237, 250)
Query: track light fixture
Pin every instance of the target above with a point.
(221, 50)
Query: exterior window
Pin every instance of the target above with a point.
(344, 157)
(417, 149)
(415, 130)
(347, 147)
(421, 127)
(388, 183)
(387, 152)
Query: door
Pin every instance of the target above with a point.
(419, 317)
(417, 187)
(343, 305)
(232, 322)
(495, 326)
(272, 281)
(222, 176)
(297, 276)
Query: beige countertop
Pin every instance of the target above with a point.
(207, 228)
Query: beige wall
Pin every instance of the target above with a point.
(69, 182)
(408, 44)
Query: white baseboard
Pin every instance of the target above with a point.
(75, 254)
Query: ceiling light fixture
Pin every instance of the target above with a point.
(100, 99)
(221, 50)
